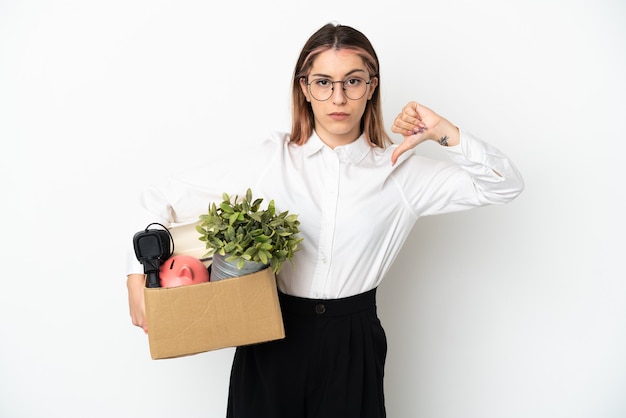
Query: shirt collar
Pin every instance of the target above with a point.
(354, 151)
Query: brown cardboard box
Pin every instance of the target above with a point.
(232, 312)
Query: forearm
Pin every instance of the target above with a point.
(493, 174)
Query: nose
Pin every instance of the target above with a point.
(338, 95)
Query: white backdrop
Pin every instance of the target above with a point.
(509, 311)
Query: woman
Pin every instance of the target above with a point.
(357, 200)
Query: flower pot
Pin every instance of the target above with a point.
(222, 269)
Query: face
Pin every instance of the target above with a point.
(338, 119)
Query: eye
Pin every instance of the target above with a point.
(354, 82)
(321, 82)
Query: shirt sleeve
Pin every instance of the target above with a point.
(477, 174)
(180, 199)
(184, 196)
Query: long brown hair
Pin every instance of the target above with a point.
(338, 37)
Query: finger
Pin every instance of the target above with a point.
(408, 128)
(402, 128)
(411, 108)
(412, 117)
(409, 116)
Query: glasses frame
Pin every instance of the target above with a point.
(332, 87)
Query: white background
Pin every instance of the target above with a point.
(511, 311)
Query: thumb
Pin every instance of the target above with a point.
(401, 149)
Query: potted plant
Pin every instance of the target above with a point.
(248, 238)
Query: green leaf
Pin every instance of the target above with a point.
(229, 247)
(242, 230)
(255, 215)
(226, 207)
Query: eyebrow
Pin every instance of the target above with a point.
(349, 73)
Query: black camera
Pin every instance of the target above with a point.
(152, 248)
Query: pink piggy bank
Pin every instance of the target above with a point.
(181, 270)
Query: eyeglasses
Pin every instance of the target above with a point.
(322, 88)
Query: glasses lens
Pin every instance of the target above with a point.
(354, 88)
(321, 89)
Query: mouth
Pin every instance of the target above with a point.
(338, 115)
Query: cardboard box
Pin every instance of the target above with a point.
(198, 318)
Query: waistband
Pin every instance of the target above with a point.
(327, 307)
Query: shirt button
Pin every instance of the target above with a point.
(320, 309)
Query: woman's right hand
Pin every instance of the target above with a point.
(136, 284)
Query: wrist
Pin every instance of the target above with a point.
(446, 134)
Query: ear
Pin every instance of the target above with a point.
(186, 272)
(373, 86)
(305, 89)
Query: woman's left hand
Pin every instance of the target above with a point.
(417, 123)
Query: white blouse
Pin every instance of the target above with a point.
(355, 208)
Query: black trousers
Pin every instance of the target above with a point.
(330, 364)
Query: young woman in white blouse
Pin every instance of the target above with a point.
(357, 197)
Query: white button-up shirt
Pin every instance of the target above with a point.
(355, 208)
